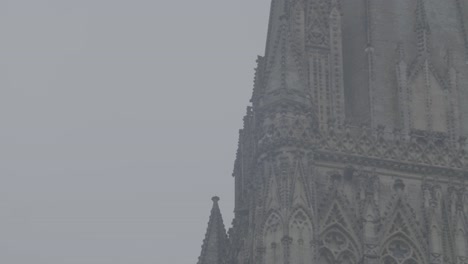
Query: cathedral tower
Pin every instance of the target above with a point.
(353, 149)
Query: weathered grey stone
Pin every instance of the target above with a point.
(215, 244)
(353, 150)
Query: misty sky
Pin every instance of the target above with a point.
(118, 122)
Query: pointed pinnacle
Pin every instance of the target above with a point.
(215, 243)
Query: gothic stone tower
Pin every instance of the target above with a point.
(352, 151)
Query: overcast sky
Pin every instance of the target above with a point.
(118, 122)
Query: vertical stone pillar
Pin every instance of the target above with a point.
(260, 253)
(370, 220)
(286, 242)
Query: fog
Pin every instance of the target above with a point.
(119, 121)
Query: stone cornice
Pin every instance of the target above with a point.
(363, 146)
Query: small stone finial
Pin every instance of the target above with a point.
(215, 244)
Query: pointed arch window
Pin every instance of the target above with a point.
(338, 247)
(399, 250)
(273, 232)
(300, 229)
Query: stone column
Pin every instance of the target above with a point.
(260, 253)
(286, 242)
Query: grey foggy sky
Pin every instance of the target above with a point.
(119, 121)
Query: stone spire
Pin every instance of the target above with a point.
(303, 60)
(284, 68)
(215, 243)
(313, 185)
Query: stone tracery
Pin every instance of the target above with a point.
(398, 250)
(298, 134)
(273, 232)
(300, 229)
(337, 247)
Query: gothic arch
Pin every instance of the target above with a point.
(272, 234)
(400, 249)
(301, 233)
(338, 239)
(338, 246)
(337, 215)
(400, 218)
(302, 210)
